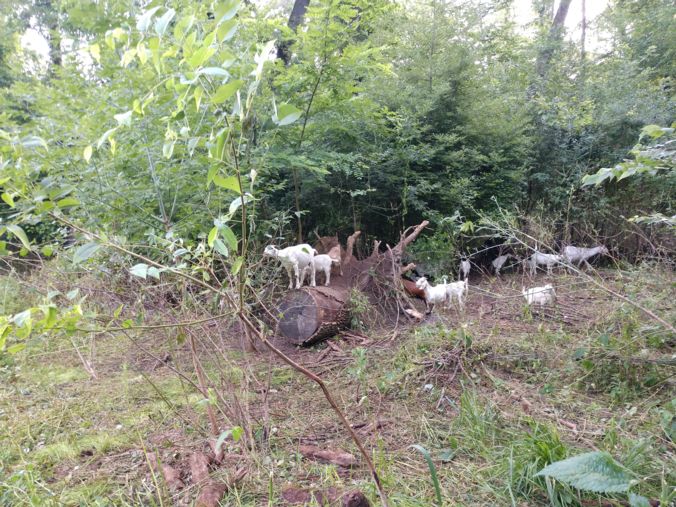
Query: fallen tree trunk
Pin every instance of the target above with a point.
(312, 314)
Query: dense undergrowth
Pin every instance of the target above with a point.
(494, 394)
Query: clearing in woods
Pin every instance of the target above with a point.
(493, 393)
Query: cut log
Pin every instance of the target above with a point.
(312, 314)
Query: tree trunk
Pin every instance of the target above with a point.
(295, 19)
(553, 39)
(312, 314)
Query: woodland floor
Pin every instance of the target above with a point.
(494, 393)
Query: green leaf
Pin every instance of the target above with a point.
(229, 183)
(105, 137)
(95, 51)
(286, 114)
(213, 234)
(163, 22)
(224, 92)
(220, 247)
(123, 119)
(229, 237)
(85, 252)
(433, 471)
(213, 71)
(8, 198)
(154, 272)
(592, 471)
(227, 30)
(237, 265)
(168, 149)
(19, 233)
(47, 250)
(200, 56)
(17, 347)
(226, 10)
(67, 202)
(144, 21)
(140, 270)
(638, 501)
(87, 153)
(22, 319)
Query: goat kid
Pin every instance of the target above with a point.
(295, 260)
(542, 296)
(320, 263)
(457, 290)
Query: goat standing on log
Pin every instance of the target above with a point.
(295, 259)
(320, 263)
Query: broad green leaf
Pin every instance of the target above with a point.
(19, 233)
(154, 272)
(220, 247)
(213, 71)
(183, 26)
(168, 149)
(236, 203)
(22, 319)
(144, 21)
(67, 202)
(85, 252)
(224, 92)
(592, 471)
(87, 153)
(213, 233)
(229, 183)
(227, 30)
(226, 10)
(106, 135)
(200, 56)
(163, 21)
(16, 348)
(140, 270)
(638, 501)
(286, 114)
(229, 237)
(123, 119)
(128, 57)
(237, 265)
(8, 198)
(47, 250)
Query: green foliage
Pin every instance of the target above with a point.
(433, 471)
(592, 471)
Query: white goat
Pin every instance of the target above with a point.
(465, 266)
(433, 293)
(320, 263)
(542, 296)
(499, 261)
(334, 253)
(456, 290)
(578, 255)
(444, 292)
(543, 259)
(295, 259)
